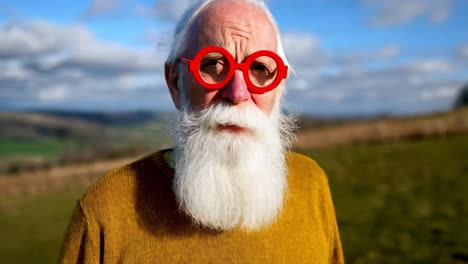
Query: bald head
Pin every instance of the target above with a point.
(182, 40)
(239, 26)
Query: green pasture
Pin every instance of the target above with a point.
(32, 230)
(396, 203)
(50, 148)
(401, 202)
(114, 142)
(147, 136)
(30, 152)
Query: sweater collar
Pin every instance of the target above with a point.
(168, 159)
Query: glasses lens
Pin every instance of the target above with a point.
(214, 67)
(263, 71)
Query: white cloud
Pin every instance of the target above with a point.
(399, 12)
(366, 80)
(299, 84)
(56, 92)
(46, 63)
(101, 54)
(419, 85)
(169, 10)
(13, 70)
(463, 51)
(432, 66)
(441, 92)
(27, 39)
(303, 50)
(100, 7)
(55, 45)
(68, 66)
(359, 58)
(388, 52)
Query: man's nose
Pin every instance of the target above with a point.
(236, 89)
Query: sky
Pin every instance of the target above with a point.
(361, 57)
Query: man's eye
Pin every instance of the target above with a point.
(260, 68)
(210, 64)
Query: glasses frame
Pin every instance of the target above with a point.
(194, 68)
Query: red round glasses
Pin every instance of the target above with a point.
(213, 67)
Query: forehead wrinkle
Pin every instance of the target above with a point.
(215, 27)
(230, 39)
(207, 40)
(242, 29)
(230, 31)
(237, 42)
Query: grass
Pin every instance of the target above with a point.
(402, 202)
(151, 135)
(396, 203)
(47, 148)
(32, 232)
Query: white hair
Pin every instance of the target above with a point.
(179, 39)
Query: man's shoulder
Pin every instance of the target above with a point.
(305, 171)
(128, 172)
(119, 185)
(300, 162)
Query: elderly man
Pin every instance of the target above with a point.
(228, 192)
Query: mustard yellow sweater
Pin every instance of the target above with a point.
(130, 216)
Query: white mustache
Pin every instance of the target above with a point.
(227, 115)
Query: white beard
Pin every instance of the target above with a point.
(224, 180)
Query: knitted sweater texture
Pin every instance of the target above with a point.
(131, 216)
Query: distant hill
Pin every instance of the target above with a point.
(26, 125)
(30, 140)
(125, 132)
(112, 118)
(327, 133)
(72, 123)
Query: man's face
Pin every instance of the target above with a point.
(241, 29)
(225, 178)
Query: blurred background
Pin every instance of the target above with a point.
(381, 90)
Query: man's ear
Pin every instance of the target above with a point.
(172, 76)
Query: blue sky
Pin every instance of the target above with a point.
(351, 57)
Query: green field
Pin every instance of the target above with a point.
(50, 148)
(32, 231)
(396, 203)
(33, 152)
(402, 202)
